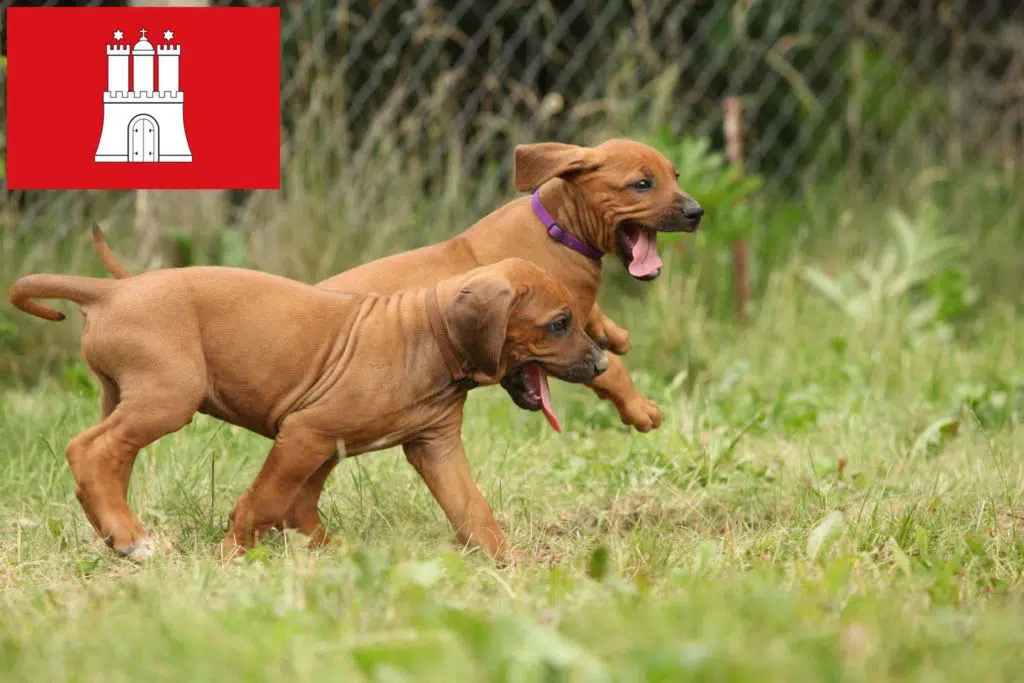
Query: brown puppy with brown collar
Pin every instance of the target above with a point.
(320, 373)
(609, 199)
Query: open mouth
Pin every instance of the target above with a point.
(638, 249)
(638, 243)
(528, 387)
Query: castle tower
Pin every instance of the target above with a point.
(142, 65)
(146, 123)
(117, 68)
(167, 56)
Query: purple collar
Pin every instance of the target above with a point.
(558, 234)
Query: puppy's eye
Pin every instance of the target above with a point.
(559, 326)
(643, 184)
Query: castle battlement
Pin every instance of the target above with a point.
(154, 97)
(113, 50)
(168, 49)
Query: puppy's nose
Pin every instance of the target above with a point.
(693, 212)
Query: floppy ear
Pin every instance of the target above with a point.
(537, 163)
(478, 320)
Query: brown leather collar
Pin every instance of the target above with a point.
(444, 338)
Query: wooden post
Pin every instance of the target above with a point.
(159, 211)
(732, 121)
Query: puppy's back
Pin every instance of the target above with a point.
(258, 341)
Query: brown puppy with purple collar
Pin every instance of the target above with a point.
(589, 201)
(321, 373)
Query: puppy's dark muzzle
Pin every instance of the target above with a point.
(589, 366)
(685, 218)
(693, 214)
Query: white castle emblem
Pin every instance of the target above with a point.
(146, 123)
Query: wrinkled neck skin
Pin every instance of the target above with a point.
(392, 352)
(426, 375)
(567, 204)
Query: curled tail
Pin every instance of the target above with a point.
(110, 261)
(81, 290)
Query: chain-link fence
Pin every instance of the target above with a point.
(823, 83)
(431, 95)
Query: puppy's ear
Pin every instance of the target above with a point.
(538, 163)
(478, 320)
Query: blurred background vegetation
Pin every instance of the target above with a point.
(882, 150)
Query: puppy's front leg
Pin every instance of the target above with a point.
(304, 514)
(297, 453)
(605, 332)
(441, 461)
(635, 409)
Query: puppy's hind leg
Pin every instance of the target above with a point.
(102, 458)
(110, 396)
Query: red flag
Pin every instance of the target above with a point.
(191, 93)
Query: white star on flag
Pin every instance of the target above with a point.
(168, 34)
(118, 34)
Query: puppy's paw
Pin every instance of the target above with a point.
(508, 558)
(641, 413)
(320, 538)
(130, 541)
(141, 549)
(230, 548)
(609, 336)
(315, 539)
(144, 549)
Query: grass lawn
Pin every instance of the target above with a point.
(830, 498)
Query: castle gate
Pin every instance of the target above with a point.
(143, 139)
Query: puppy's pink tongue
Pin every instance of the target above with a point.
(539, 383)
(645, 253)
